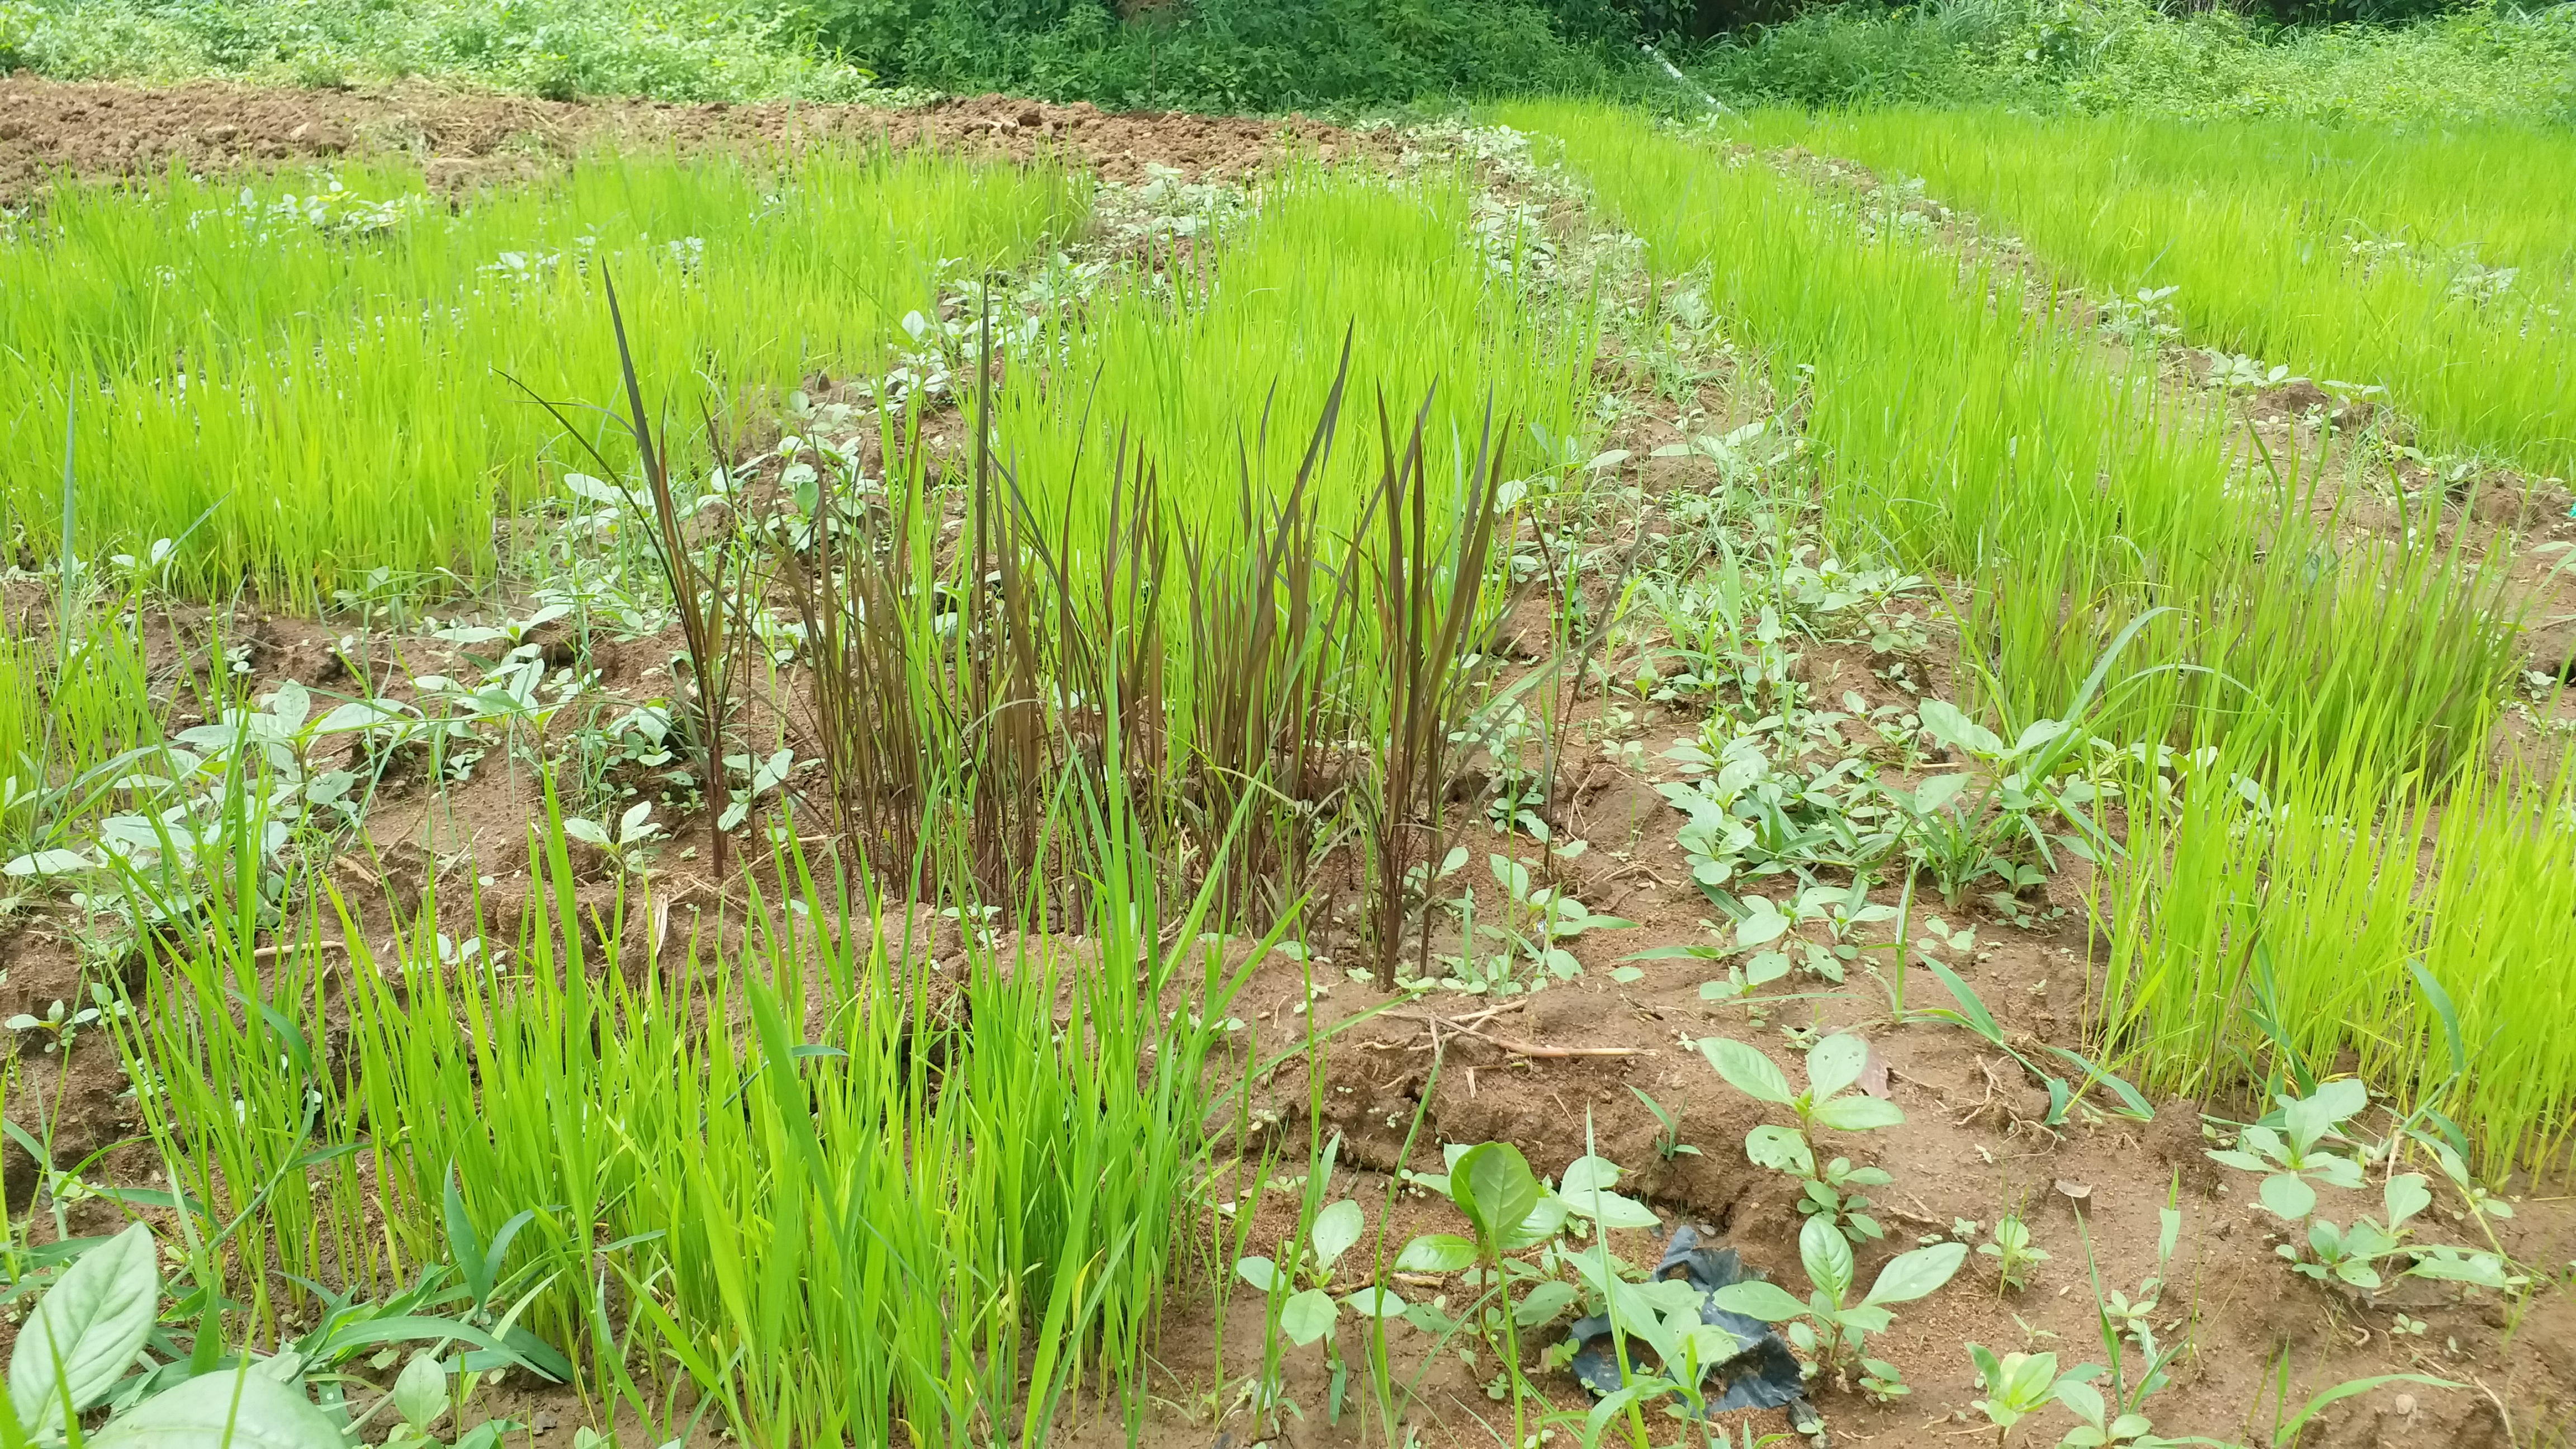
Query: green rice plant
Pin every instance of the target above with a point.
(2274, 931)
(2438, 265)
(1967, 434)
(319, 364)
(78, 713)
(1958, 430)
(77, 710)
(1433, 293)
(224, 1045)
(794, 1168)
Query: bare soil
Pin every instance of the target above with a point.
(105, 130)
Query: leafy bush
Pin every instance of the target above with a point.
(2489, 61)
(1230, 54)
(671, 49)
(16, 21)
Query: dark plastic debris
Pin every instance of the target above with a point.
(1763, 1375)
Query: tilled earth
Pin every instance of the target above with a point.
(101, 129)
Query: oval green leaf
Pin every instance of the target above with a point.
(1586, 1173)
(1835, 1063)
(245, 1411)
(1746, 1069)
(1755, 1298)
(2288, 1195)
(1828, 1257)
(1436, 1253)
(1336, 1228)
(1308, 1316)
(1859, 1114)
(1544, 1302)
(86, 1331)
(1781, 1149)
(1909, 1276)
(1494, 1187)
(1375, 1302)
(2405, 1196)
(1612, 1210)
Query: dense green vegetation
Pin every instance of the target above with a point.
(2356, 692)
(2493, 59)
(2488, 61)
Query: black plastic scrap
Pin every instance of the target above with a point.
(1761, 1375)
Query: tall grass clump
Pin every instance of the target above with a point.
(75, 720)
(2436, 265)
(1266, 473)
(1267, 686)
(322, 366)
(80, 713)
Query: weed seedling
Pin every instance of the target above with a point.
(1306, 1315)
(2013, 1251)
(1668, 1129)
(1834, 1067)
(635, 829)
(2294, 1153)
(58, 1027)
(1826, 1328)
(2017, 1385)
(1972, 1014)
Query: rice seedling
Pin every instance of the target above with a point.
(1954, 427)
(2238, 618)
(836, 1190)
(79, 711)
(2393, 261)
(315, 363)
(1210, 369)
(2275, 930)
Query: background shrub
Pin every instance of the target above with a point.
(2327, 60)
(2488, 61)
